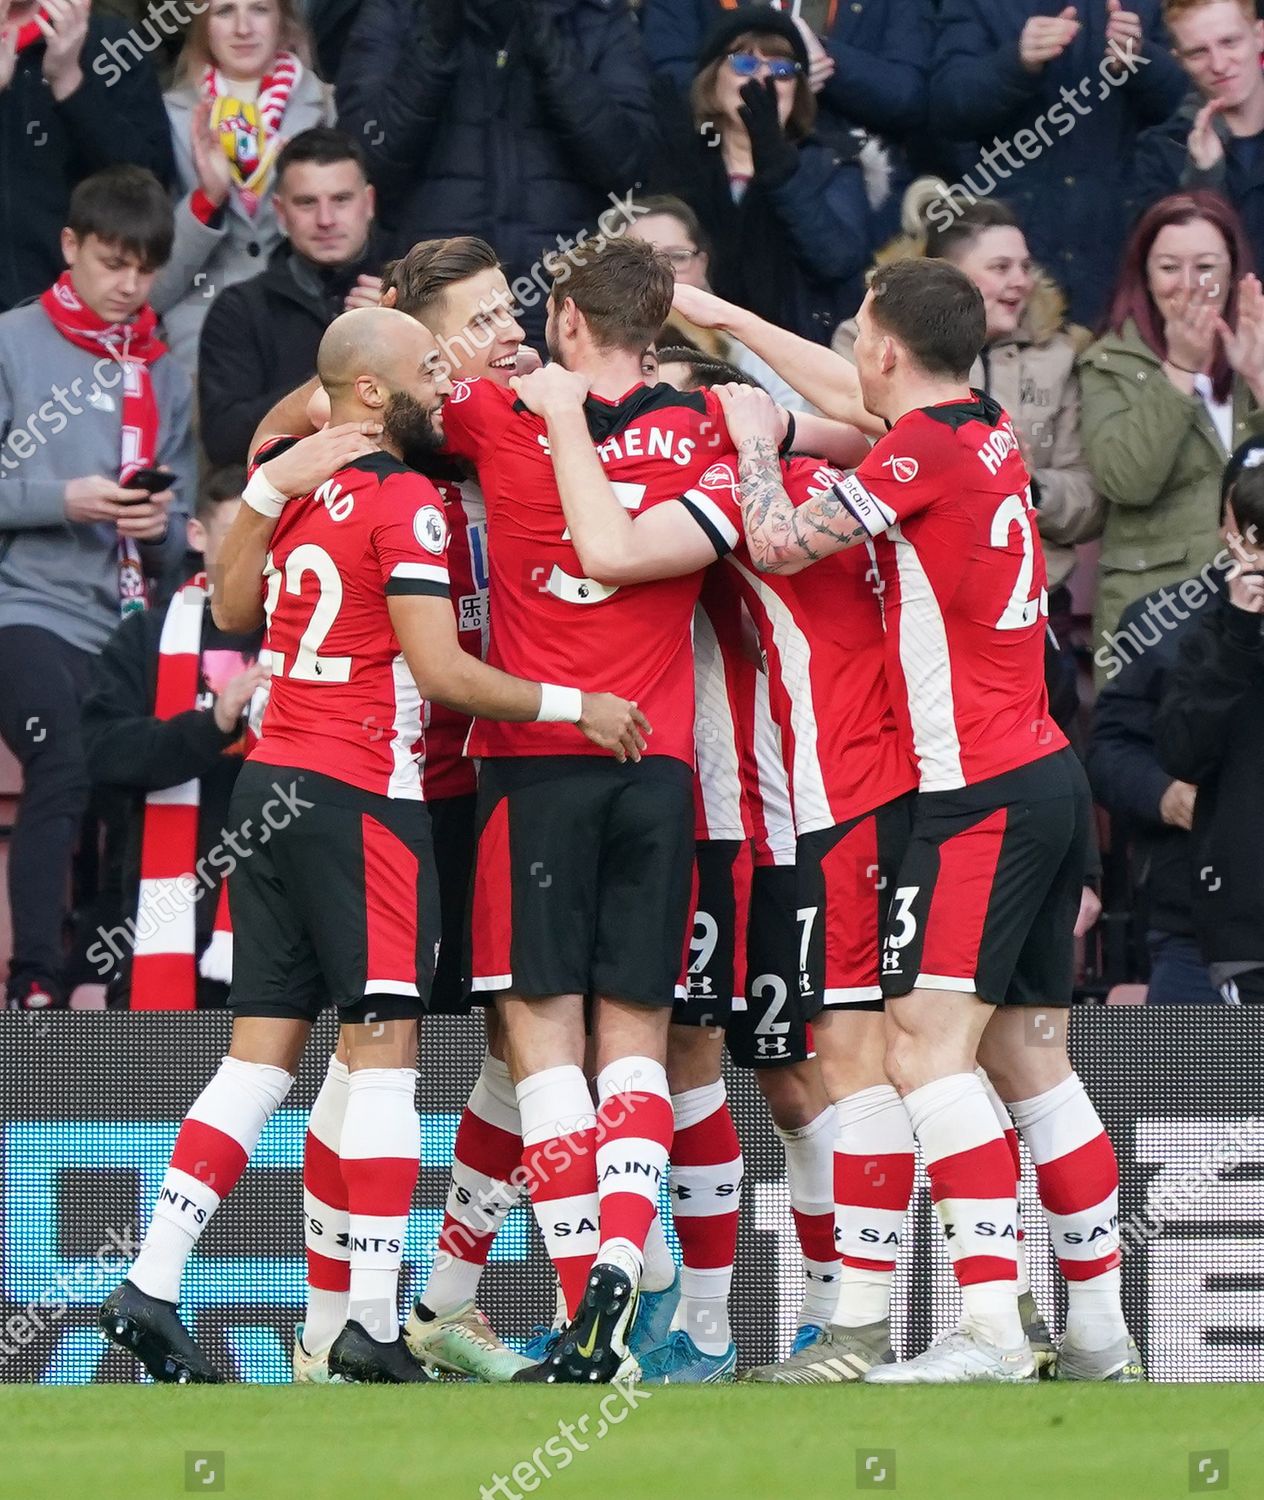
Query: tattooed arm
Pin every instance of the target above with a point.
(780, 536)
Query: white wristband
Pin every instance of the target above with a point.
(559, 705)
(263, 496)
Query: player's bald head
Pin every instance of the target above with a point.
(387, 346)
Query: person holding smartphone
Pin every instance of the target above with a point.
(88, 399)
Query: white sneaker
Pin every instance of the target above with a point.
(462, 1342)
(959, 1358)
(310, 1369)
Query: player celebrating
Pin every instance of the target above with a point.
(980, 926)
(336, 901)
(583, 869)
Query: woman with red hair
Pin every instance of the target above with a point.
(1175, 383)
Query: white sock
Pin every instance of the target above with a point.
(660, 1268)
(215, 1142)
(810, 1175)
(1078, 1180)
(381, 1155)
(873, 1182)
(324, 1221)
(706, 1185)
(972, 1182)
(1006, 1122)
(488, 1152)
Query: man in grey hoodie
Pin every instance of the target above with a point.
(87, 401)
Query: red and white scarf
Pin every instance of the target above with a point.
(250, 131)
(134, 347)
(29, 34)
(163, 974)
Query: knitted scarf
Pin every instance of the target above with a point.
(163, 975)
(134, 347)
(250, 131)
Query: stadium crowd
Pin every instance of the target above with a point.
(188, 206)
(1094, 172)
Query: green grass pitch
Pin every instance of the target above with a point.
(722, 1443)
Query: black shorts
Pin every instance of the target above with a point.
(743, 972)
(987, 896)
(845, 877)
(334, 900)
(582, 876)
(452, 824)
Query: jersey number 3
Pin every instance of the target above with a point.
(308, 664)
(1024, 608)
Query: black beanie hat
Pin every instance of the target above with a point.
(735, 23)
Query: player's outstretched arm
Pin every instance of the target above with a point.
(613, 547)
(426, 629)
(780, 536)
(819, 375)
(839, 443)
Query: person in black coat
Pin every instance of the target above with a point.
(75, 96)
(129, 747)
(1216, 140)
(791, 217)
(520, 121)
(1050, 113)
(871, 61)
(1151, 804)
(260, 337)
(1210, 731)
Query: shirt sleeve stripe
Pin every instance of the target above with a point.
(437, 588)
(434, 572)
(711, 517)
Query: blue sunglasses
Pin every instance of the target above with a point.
(748, 64)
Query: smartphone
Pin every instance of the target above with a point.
(153, 481)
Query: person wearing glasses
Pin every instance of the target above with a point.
(791, 218)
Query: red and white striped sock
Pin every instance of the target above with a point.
(486, 1154)
(810, 1173)
(381, 1157)
(973, 1187)
(1006, 1122)
(211, 1151)
(559, 1156)
(873, 1182)
(706, 1192)
(1078, 1181)
(325, 1213)
(634, 1134)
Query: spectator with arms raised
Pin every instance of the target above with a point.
(246, 87)
(1175, 383)
(87, 401)
(67, 108)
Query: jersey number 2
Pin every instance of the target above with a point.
(308, 664)
(1024, 608)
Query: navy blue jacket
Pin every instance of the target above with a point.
(503, 137)
(1125, 769)
(116, 115)
(795, 252)
(1068, 177)
(881, 51)
(1163, 166)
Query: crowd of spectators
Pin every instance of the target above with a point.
(191, 191)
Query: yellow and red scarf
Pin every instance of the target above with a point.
(249, 131)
